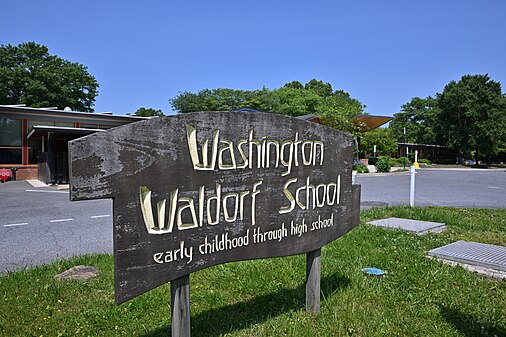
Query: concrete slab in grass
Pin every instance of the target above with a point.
(413, 226)
(478, 257)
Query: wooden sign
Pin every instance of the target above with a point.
(196, 190)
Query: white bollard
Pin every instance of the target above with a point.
(415, 164)
(412, 187)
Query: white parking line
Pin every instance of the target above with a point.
(61, 220)
(100, 216)
(16, 224)
(45, 191)
(493, 187)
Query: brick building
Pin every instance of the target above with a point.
(33, 141)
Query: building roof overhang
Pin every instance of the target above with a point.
(40, 130)
(364, 122)
(370, 122)
(44, 113)
(310, 118)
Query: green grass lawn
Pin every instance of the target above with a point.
(418, 297)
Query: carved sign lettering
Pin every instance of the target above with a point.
(195, 190)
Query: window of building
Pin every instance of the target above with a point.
(105, 127)
(10, 155)
(65, 124)
(10, 141)
(44, 123)
(10, 132)
(89, 126)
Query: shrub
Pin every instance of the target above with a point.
(360, 168)
(383, 164)
(408, 161)
(424, 161)
(411, 156)
(404, 161)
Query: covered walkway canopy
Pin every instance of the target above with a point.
(53, 157)
(365, 122)
(41, 130)
(370, 122)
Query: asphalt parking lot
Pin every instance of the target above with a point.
(436, 187)
(38, 225)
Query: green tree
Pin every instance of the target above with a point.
(294, 85)
(30, 75)
(335, 108)
(221, 99)
(295, 102)
(339, 111)
(418, 118)
(473, 115)
(323, 89)
(382, 138)
(148, 112)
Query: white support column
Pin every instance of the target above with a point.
(412, 187)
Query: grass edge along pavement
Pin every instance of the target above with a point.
(418, 296)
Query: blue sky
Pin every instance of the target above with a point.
(381, 52)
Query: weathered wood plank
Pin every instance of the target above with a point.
(180, 306)
(313, 271)
(196, 190)
(355, 202)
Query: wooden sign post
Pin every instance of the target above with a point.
(180, 306)
(196, 190)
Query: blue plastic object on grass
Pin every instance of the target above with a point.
(374, 271)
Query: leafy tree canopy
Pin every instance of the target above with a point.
(319, 87)
(473, 115)
(382, 138)
(335, 108)
(30, 75)
(148, 112)
(294, 85)
(418, 118)
(340, 110)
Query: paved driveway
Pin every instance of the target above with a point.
(437, 187)
(38, 225)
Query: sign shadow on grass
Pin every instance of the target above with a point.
(468, 325)
(241, 315)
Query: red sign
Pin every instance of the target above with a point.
(5, 174)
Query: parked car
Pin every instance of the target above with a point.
(470, 162)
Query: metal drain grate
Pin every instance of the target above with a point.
(413, 226)
(473, 253)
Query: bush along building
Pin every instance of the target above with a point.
(34, 141)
